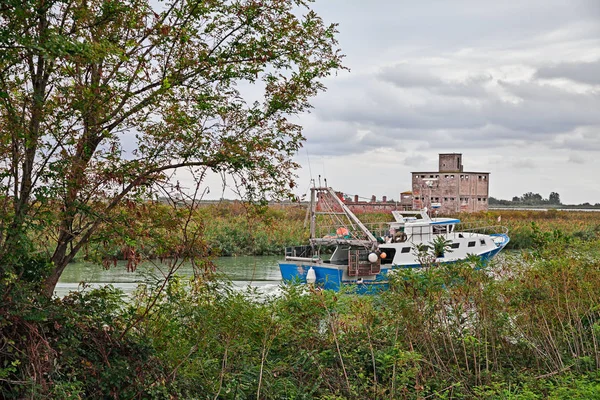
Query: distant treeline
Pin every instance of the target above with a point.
(536, 199)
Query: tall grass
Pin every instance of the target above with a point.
(524, 328)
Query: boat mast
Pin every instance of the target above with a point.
(350, 214)
(312, 211)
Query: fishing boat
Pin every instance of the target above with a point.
(343, 251)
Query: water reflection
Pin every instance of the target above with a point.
(260, 272)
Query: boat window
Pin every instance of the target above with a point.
(405, 250)
(471, 244)
(389, 255)
(482, 242)
(455, 245)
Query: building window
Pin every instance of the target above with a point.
(484, 199)
(451, 176)
(471, 244)
(431, 176)
(446, 176)
(451, 198)
(437, 176)
(423, 176)
(405, 250)
(466, 176)
(445, 199)
(462, 177)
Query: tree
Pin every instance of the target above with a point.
(531, 198)
(101, 99)
(554, 198)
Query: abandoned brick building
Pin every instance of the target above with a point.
(450, 189)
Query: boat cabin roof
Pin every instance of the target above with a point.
(419, 218)
(444, 221)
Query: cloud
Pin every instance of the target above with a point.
(584, 72)
(585, 138)
(499, 113)
(576, 159)
(414, 160)
(408, 76)
(523, 163)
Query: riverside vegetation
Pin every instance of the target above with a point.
(525, 327)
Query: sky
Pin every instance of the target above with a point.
(512, 85)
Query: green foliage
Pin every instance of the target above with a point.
(73, 348)
(525, 328)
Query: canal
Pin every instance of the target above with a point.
(261, 272)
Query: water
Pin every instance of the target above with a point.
(259, 272)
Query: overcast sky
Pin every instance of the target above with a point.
(513, 85)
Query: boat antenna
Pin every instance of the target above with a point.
(325, 179)
(309, 167)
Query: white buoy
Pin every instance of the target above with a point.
(311, 276)
(373, 257)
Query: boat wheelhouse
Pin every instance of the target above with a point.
(364, 254)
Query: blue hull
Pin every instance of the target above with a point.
(330, 277)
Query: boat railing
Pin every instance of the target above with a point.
(378, 229)
(306, 252)
(334, 233)
(474, 229)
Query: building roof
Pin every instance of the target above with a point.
(445, 172)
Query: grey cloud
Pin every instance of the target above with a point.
(408, 76)
(523, 163)
(584, 72)
(417, 77)
(474, 86)
(414, 160)
(340, 138)
(542, 112)
(576, 159)
(582, 139)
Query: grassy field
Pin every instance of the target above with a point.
(524, 327)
